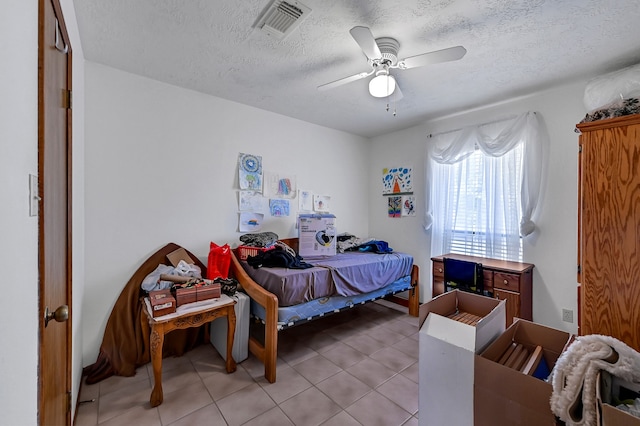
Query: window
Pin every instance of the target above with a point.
(482, 186)
(481, 212)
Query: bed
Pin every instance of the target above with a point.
(279, 301)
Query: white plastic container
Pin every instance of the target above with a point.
(218, 330)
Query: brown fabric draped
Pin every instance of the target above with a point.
(125, 345)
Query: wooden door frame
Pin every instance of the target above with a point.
(41, 232)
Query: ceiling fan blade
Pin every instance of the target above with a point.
(435, 57)
(344, 80)
(364, 38)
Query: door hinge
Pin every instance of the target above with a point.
(68, 402)
(67, 99)
(579, 269)
(579, 148)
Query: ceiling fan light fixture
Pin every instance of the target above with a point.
(382, 85)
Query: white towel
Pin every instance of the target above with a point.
(574, 379)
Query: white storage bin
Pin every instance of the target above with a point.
(218, 330)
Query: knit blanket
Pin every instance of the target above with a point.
(574, 378)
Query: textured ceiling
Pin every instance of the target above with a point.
(514, 47)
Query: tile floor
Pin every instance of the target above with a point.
(357, 367)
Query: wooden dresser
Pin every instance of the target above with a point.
(609, 228)
(507, 280)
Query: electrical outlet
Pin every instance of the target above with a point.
(567, 315)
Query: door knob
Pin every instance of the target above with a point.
(61, 314)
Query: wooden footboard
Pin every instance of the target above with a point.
(413, 301)
(267, 353)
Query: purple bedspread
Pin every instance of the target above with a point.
(345, 274)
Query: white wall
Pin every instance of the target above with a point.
(161, 166)
(552, 248)
(19, 231)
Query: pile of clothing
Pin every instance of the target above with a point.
(349, 242)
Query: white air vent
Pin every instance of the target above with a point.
(282, 17)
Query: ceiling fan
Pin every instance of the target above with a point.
(382, 56)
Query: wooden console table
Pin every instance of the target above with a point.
(506, 280)
(186, 316)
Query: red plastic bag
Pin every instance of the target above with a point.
(219, 261)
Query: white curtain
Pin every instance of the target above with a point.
(494, 140)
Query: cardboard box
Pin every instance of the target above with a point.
(612, 416)
(447, 350)
(177, 255)
(317, 235)
(504, 395)
(162, 302)
(609, 386)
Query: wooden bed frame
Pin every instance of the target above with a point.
(268, 352)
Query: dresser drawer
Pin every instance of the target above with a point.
(487, 279)
(438, 269)
(506, 281)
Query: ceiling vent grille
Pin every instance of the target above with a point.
(282, 17)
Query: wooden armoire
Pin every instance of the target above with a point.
(609, 228)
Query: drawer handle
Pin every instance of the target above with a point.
(439, 269)
(506, 282)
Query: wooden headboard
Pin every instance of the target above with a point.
(291, 242)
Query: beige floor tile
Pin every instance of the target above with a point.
(412, 372)
(385, 335)
(375, 410)
(344, 355)
(371, 372)
(295, 352)
(288, 384)
(118, 382)
(341, 419)
(207, 415)
(393, 359)
(132, 395)
(402, 391)
(221, 383)
(139, 416)
(273, 417)
(245, 404)
(401, 327)
(364, 343)
(408, 346)
(310, 408)
(317, 369)
(343, 388)
(179, 377)
(183, 401)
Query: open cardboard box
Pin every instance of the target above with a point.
(506, 396)
(609, 415)
(447, 350)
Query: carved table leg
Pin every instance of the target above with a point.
(157, 340)
(231, 329)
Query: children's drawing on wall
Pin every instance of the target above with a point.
(250, 222)
(250, 201)
(279, 207)
(280, 185)
(408, 205)
(250, 172)
(305, 200)
(397, 181)
(321, 203)
(395, 206)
